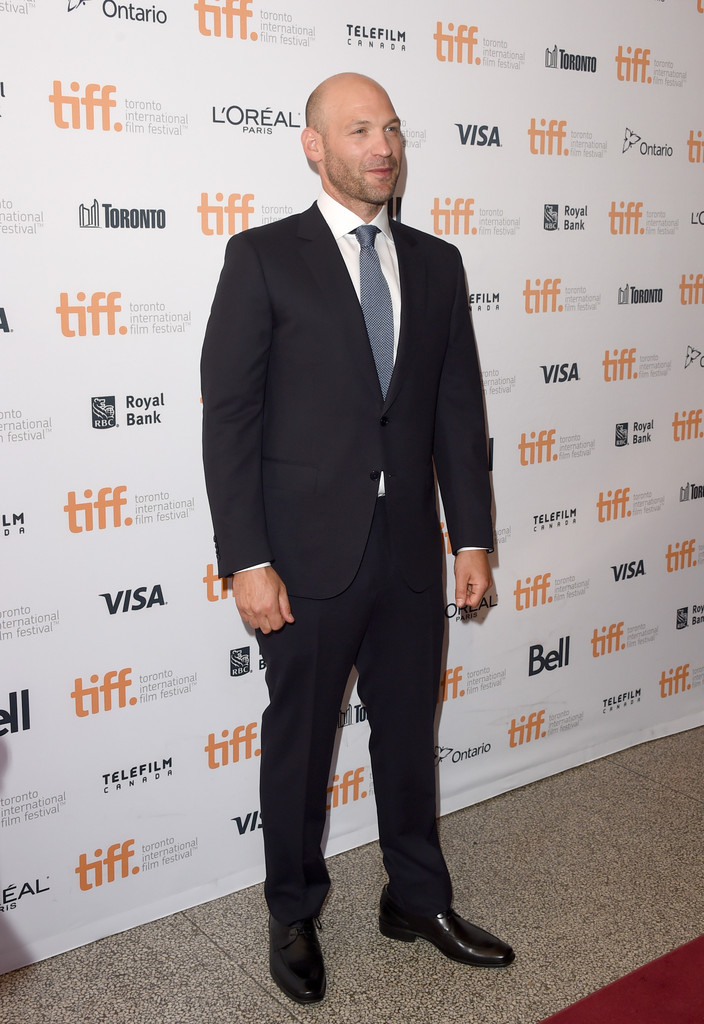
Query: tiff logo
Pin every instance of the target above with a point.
(524, 731)
(533, 592)
(626, 220)
(675, 681)
(349, 789)
(216, 587)
(102, 306)
(213, 15)
(695, 147)
(681, 556)
(537, 451)
(113, 682)
(692, 290)
(542, 298)
(90, 101)
(108, 498)
(633, 68)
(614, 505)
(453, 221)
(687, 427)
(607, 640)
(227, 750)
(548, 141)
(450, 685)
(619, 365)
(456, 46)
(237, 205)
(90, 873)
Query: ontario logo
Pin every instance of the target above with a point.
(631, 140)
(452, 755)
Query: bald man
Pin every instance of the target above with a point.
(339, 375)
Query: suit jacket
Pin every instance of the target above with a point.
(296, 431)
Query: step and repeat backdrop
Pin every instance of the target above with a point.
(561, 147)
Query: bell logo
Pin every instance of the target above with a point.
(560, 658)
(614, 505)
(533, 592)
(213, 14)
(349, 789)
(227, 751)
(15, 718)
(681, 556)
(619, 365)
(90, 873)
(548, 139)
(112, 682)
(687, 425)
(236, 206)
(95, 98)
(607, 640)
(692, 290)
(216, 588)
(524, 731)
(537, 450)
(450, 685)
(453, 221)
(108, 498)
(542, 298)
(626, 220)
(102, 307)
(456, 46)
(632, 65)
(674, 681)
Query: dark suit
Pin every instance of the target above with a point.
(296, 433)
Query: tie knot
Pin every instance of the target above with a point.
(366, 233)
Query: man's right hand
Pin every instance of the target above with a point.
(262, 599)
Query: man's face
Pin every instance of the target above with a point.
(361, 146)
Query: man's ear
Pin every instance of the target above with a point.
(312, 143)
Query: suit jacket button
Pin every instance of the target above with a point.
(374, 475)
(384, 421)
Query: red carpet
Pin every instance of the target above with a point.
(669, 990)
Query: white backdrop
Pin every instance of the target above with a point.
(561, 147)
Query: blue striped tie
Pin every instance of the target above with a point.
(377, 309)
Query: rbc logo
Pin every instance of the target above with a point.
(239, 661)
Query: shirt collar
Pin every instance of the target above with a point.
(342, 221)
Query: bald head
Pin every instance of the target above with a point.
(334, 91)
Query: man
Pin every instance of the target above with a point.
(319, 465)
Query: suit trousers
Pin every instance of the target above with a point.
(393, 636)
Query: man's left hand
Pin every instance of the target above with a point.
(472, 578)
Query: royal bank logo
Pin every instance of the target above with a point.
(683, 620)
(642, 433)
(478, 134)
(89, 110)
(691, 492)
(13, 523)
(255, 121)
(632, 65)
(557, 58)
(225, 216)
(101, 312)
(106, 215)
(228, 18)
(373, 38)
(551, 217)
(674, 681)
(240, 661)
(103, 412)
(693, 357)
(631, 295)
(695, 147)
(453, 216)
(626, 219)
(631, 140)
(548, 138)
(691, 290)
(619, 365)
(456, 44)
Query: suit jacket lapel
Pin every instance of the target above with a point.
(413, 279)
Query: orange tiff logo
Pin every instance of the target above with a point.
(681, 556)
(542, 298)
(538, 449)
(456, 46)
(99, 696)
(227, 750)
(450, 685)
(454, 220)
(632, 65)
(118, 856)
(102, 308)
(348, 789)
(695, 146)
(236, 206)
(607, 640)
(626, 220)
(674, 681)
(692, 290)
(213, 15)
(549, 138)
(619, 365)
(532, 592)
(216, 588)
(614, 505)
(523, 731)
(112, 498)
(95, 98)
(687, 425)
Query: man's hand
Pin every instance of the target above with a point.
(472, 578)
(262, 599)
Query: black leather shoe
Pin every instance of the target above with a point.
(295, 960)
(453, 936)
